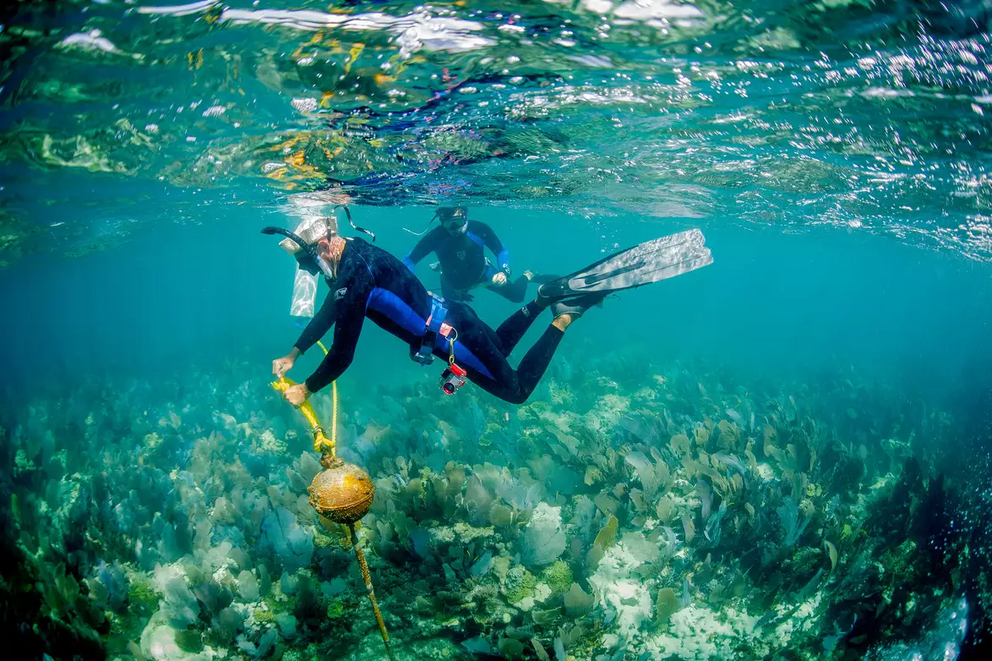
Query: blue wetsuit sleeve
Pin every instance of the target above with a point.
(347, 329)
(424, 247)
(319, 325)
(503, 259)
(493, 243)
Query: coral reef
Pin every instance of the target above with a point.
(683, 515)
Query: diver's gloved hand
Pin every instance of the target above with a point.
(499, 279)
(297, 394)
(282, 365)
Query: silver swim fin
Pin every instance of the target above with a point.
(643, 264)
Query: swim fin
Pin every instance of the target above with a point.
(643, 264)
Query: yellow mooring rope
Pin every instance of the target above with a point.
(328, 446)
(321, 443)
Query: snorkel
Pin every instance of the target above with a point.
(351, 222)
(307, 252)
(429, 223)
(444, 214)
(304, 243)
(308, 256)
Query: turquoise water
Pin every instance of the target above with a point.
(773, 302)
(781, 455)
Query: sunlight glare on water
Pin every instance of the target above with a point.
(862, 115)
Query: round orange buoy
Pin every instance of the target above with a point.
(343, 492)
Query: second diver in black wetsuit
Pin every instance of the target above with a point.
(367, 282)
(459, 244)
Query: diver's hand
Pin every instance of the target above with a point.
(282, 365)
(499, 279)
(297, 394)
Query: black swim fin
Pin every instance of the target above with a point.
(643, 264)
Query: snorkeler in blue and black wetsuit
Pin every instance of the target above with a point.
(459, 244)
(366, 281)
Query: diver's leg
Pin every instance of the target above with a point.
(449, 293)
(516, 386)
(479, 352)
(486, 363)
(535, 362)
(511, 331)
(514, 291)
(540, 278)
(493, 337)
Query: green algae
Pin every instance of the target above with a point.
(558, 576)
(520, 584)
(336, 609)
(142, 592)
(189, 640)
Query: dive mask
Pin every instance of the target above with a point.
(455, 226)
(453, 219)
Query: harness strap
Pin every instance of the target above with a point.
(434, 326)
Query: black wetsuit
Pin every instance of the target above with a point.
(463, 261)
(372, 283)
